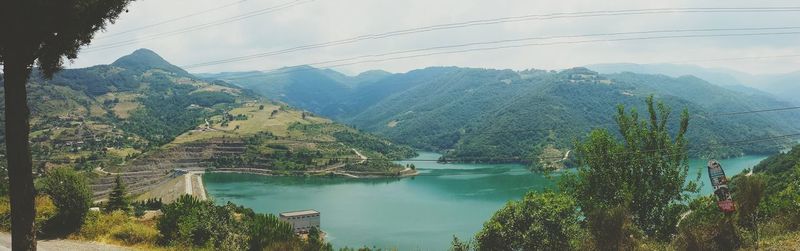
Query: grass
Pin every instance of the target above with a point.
(123, 152)
(123, 109)
(789, 241)
(117, 228)
(258, 120)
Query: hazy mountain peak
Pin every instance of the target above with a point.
(143, 59)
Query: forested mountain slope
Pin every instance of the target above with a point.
(784, 86)
(126, 115)
(505, 114)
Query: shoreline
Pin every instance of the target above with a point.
(349, 174)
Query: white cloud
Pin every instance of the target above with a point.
(328, 20)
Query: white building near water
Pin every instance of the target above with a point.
(302, 221)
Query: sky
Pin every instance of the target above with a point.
(187, 32)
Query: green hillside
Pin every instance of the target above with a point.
(502, 115)
(783, 86)
(121, 117)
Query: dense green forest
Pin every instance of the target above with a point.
(630, 194)
(107, 115)
(783, 85)
(504, 115)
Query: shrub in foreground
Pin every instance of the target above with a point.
(71, 195)
(541, 221)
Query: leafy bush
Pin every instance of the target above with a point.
(45, 210)
(96, 226)
(706, 228)
(650, 183)
(116, 226)
(266, 229)
(71, 195)
(541, 221)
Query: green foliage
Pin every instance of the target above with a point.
(645, 173)
(459, 245)
(164, 114)
(185, 222)
(45, 210)
(748, 192)
(132, 233)
(208, 99)
(315, 242)
(267, 229)
(502, 115)
(781, 202)
(611, 229)
(541, 221)
(190, 222)
(71, 195)
(117, 226)
(117, 199)
(706, 228)
(58, 32)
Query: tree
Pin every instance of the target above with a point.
(706, 228)
(44, 32)
(610, 229)
(459, 245)
(541, 221)
(267, 229)
(117, 199)
(645, 172)
(186, 222)
(72, 197)
(315, 242)
(748, 191)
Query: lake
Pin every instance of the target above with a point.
(419, 213)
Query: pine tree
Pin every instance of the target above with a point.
(117, 200)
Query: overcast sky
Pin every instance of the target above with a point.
(316, 21)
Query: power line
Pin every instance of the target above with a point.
(324, 63)
(759, 111)
(495, 21)
(198, 27)
(733, 58)
(170, 20)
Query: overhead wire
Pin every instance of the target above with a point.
(286, 5)
(344, 61)
(430, 28)
(115, 34)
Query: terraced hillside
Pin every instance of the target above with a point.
(148, 121)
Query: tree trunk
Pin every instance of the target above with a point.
(18, 152)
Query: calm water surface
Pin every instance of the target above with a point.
(419, 213)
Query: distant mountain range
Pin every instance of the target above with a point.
(506, 114)
(784, 86)
(125, 115)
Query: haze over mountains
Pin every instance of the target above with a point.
(506, 114)
(784, 86)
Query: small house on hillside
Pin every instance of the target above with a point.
(302, 221)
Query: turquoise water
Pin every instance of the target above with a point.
(419, 213)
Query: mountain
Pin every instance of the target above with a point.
(144, 114)
(783, 86)
(143, 60)
(505, 114)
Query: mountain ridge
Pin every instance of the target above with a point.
(448, 108)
